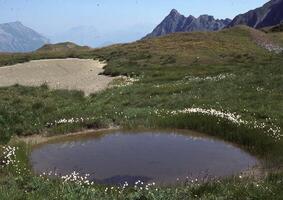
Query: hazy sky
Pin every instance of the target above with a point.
(51, 17)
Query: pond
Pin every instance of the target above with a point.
(163, 157)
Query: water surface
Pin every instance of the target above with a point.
(151, 156)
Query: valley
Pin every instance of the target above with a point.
(192, 110)
(220, 83)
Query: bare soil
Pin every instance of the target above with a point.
(71, 74)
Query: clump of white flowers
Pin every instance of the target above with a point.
(124, 81)
(73, 120)
(271, 47)
(190, 79)
(9, 159)
(209, 78)
(233, 117)
(9, 156)
(84, 180)
(269, 127)
(76, 178)
(138, 186)
(73, 177)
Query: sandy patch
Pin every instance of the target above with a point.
(71, 74)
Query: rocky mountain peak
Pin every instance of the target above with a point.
(174, 12)
(176, 22)
(269, 14)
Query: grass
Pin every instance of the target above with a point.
(277, 36)
(275, 32)
(174, 72)
(37, 188)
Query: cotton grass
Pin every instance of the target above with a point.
(269, 127)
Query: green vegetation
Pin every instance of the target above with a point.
(275, 32)
(276, 28)
(225, 71)
(277, 37)
(34, 188)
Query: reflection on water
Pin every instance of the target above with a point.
(161, 157)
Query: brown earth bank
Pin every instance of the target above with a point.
(36, 139)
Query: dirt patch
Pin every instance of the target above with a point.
(71, 74)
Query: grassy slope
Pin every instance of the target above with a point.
(163, 66)
(278, 36)
(182, 50)
(276, 32)
(62, 47)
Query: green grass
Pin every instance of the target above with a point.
(278, 37)
(33, 188)
(167, 68)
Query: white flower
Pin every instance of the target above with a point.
(271, 129)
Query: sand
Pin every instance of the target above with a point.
(71, 74)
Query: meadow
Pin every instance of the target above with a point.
(221, 83)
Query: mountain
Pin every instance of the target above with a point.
(175, 22)
(15, 37)
(65, 46)
(269, 14)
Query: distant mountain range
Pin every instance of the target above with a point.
(175, 22)
(269, 14)
(15, 37)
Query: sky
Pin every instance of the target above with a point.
(107, 17)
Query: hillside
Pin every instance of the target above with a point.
(223, 47)
(65, 46)
(273, 29)
(175, 22)
(276, 32)
(15, 37)
(269, 14)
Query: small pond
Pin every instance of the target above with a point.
(162, 157)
